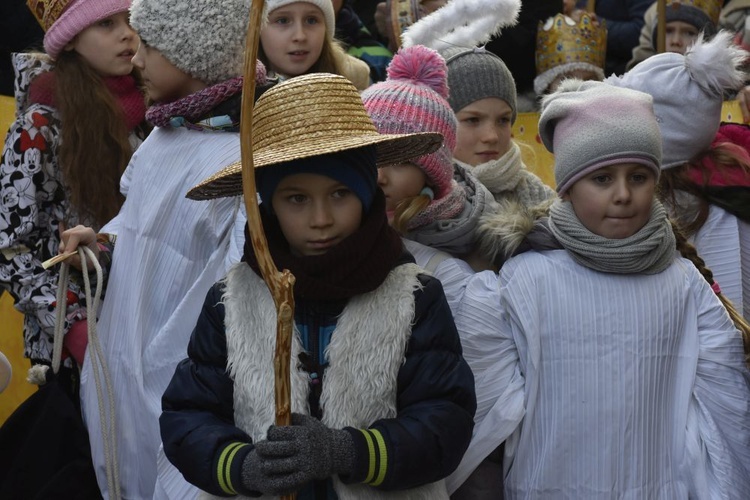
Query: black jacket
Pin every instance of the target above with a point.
(424, 442)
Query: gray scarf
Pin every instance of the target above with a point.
(649, 251)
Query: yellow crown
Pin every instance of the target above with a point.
(712, 8)
(47, 12)
(560, 40)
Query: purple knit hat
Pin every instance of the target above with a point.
(413, 99)
(62, 20)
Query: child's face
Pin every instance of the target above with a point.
(108, 45)
(614, 201)
(293, 38)
(315, 212)
(399, 182)
(164, 82)
(484, 131)
(680, 36)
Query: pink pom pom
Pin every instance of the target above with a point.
(422, 66)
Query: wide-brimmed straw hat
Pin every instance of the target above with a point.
(308, 116)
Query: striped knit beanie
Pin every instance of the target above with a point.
(413, 99)
(476, 73)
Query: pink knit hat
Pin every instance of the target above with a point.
(62, 20)
(413, 99)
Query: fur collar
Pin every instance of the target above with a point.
(503, 234)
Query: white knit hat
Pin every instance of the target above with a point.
(203, 38)
(324, 5)
(688, 92)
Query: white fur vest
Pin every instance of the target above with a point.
(365, 354)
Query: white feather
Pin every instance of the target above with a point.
(715, 65)
(463, 23)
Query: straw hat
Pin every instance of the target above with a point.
(313, 115)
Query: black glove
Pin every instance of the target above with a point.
(294, 455)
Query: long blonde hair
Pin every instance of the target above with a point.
(406, 210)
(94, 147)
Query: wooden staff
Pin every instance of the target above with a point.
(590, 6)
(279, 283)
(661, 26)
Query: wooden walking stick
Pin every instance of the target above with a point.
(661, 26)
(279, 283)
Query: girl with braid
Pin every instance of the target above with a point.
(617, 371)
(705, 180)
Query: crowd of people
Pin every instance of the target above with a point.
(460, 329)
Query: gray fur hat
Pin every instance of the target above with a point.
(203, 38)
(476, 73)
(590, 125)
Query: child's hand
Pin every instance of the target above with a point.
(71, 239)
(294, 455)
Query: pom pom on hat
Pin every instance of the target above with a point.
(688, 92)
(412, 99)
(589, 125)
(422, 66)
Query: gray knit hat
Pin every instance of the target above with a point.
(203, 38)
(476, 73)
(589, 125)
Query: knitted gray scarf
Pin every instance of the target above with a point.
(649, 251)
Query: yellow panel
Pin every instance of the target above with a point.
(535, 155)
(11, 321)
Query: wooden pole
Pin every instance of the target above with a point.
(280, 284)
(661, 26)
(590, 6)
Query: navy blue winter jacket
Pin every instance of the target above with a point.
(424, 442)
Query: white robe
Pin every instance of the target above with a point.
(607, 386)
(169, 251)
(724, 244)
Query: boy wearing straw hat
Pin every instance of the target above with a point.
(382, 399)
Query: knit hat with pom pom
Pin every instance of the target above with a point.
(688, 92)
(413, 99)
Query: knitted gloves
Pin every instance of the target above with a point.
(294, 455)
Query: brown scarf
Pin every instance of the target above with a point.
(357, 265)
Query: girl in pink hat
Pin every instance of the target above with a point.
(79, 113)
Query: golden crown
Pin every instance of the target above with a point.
(712, 8)
(47, 12)
(560, 40)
